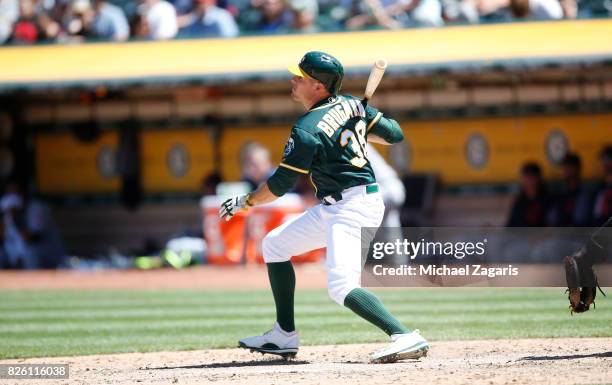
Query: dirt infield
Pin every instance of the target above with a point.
(311, 276)
(531, 361)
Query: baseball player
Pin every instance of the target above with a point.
(328, 143)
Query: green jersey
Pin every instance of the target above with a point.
(329, 144)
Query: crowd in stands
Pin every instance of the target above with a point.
(572, 203)
(33, 21)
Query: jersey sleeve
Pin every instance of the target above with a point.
(383, 127)
(373, 115)
(300, 149)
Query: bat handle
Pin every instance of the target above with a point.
(381, 64)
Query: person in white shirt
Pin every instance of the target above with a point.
(391, 186)
(9, 13)
(160, 17)
(473, 10)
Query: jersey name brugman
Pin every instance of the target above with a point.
(338, 115)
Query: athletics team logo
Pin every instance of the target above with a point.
(288, 147)
(177, 160)
(557, 145)
(106, 162)
(477, 151)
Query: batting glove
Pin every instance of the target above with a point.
(230, 207)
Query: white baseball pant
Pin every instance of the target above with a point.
(337, 227)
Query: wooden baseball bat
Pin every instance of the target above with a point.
(376, 74)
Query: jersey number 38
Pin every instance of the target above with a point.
(357, 141)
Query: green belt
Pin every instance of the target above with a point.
(371, 189)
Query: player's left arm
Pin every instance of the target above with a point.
(262, 195)
(275, 187)
(297, 159)
(233, 205)
(381, 129)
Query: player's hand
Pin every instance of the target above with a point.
(231, 206)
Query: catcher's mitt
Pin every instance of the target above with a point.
(581, 279)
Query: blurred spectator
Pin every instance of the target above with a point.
(572, 203)
(157, 20)
(182, 7)
(97, 19)
(31, 239)
(473, 11)
(78, 20)
(138, 26)
(539, 9)
(602, 209)
(27, 28)
(536, 9)
(530, 207)
(305, 13)
(395, 14)
(108, 21)
(460, 11)
(269, 17)
(9, 13)
(255, 164)
(208, 20)
(52, 15)
(31, 21)
(570, 8)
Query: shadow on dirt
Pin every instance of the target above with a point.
(235, 364)
(570, 357)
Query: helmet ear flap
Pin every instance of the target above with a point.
(334, 87)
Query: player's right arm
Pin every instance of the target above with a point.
(382, 130)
